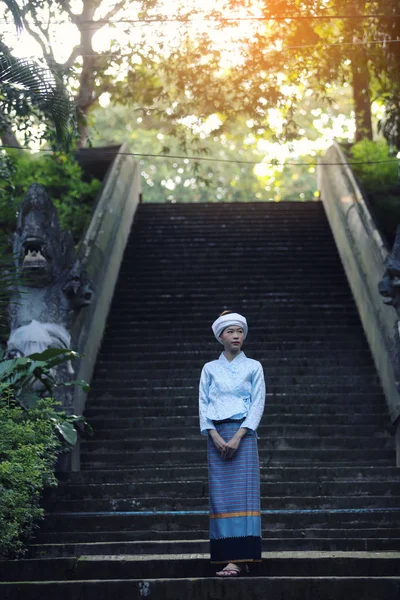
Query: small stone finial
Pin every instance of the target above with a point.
(389, 285)
(389, 288)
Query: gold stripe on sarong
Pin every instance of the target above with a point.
(251, 513)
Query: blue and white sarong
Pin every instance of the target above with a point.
(234, 488)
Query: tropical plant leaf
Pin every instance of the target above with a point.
(54, 356)
(31, 400)
(68, 432)
(83, 384)
(22, 371)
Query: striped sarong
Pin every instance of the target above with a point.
(234, 487)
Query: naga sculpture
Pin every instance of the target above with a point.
(52, 285)
(389, 288)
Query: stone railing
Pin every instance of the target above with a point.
(363, 253)
(101, 252)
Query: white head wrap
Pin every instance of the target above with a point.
(226, 320)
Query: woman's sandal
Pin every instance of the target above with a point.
(233, 571)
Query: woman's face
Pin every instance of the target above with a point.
(232, 337)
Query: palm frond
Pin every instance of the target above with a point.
(41, 87)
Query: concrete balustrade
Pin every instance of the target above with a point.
(363, 253)
(102, 251)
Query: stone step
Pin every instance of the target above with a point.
(178, 211)
(214, 238)
(153, 407)
(160, 396)
(107, 426)
(182, 362)
(184, 444)
(275, 351)
(212, 241)
(319, 456)
(142, 567)
(128, 371)
(271, 431)
(166, 503)
(284, 384)
(163, 322)
(265, 232)
(219, 220)
(196, 302)
(217, 253)
(279, 410)
(271, 294)
(219, 223)
(259, 340)
(295, 220)
(271, 535)
(202, 546)
(194, 521)
(322, 474)
(257, 588)
(292, 348)
(273, 265)
(270, 259)
(164, 398)
(334, 286)
(199, 489)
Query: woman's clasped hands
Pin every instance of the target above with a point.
(227, 449)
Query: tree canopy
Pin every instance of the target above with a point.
(234, 59)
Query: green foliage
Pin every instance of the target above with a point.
(32, 435)
(380, 182)
(28, 450)
(62, 177)
(20, 374)
(379, 172)
(181, 180)
(387, 212)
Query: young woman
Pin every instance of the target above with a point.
(231, 403)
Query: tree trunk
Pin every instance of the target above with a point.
(86, 95)
(85, 98)
(361, 95)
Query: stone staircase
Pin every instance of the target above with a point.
(133, 523)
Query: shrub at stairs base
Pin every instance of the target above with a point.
(33, 433)
(29, 448)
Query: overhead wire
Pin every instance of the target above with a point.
(219, 20)
(271, 48)
(216, 159)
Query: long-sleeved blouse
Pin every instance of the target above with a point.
(231, 390)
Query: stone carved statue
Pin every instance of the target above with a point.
(389, 288)
(54, 285)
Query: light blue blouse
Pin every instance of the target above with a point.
(231, 390)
